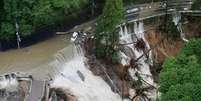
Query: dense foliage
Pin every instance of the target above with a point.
(180, 79)
(196, 4)
(106, 34)
(193, 48)
(33, 14)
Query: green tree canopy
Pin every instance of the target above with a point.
(180, 78)
(106, 34)
(196, 5)
(183, 92)
(193, 48)
(33, 14)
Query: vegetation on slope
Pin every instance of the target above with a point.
(180, 79)
(107, 36)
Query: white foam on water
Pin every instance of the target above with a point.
(93, 88)
(176, 19)
(144, 66)
(3, 82)
(10, 84)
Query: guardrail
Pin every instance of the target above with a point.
(133, 13)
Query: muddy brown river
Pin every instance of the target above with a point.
(32, 59)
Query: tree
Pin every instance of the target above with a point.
(16, 11)
(181, 76)
(107, 36)
(34, 14)
(49, 12)
(196, 5)
(179, 71)
(193, 48)
(9, 29)
(183, 92)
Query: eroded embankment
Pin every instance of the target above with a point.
(119, 78)
(130, 76)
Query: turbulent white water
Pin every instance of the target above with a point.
(9, 83)
(176, 19)
(3, 82)
(143, 64)
(79, 80)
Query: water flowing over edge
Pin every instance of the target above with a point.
(130, 38)
(79, 80)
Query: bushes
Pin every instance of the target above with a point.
(180, 78)
(33, 14)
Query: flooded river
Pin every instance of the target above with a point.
(32, 59)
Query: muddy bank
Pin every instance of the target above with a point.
(171, 47)
(163, 47)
